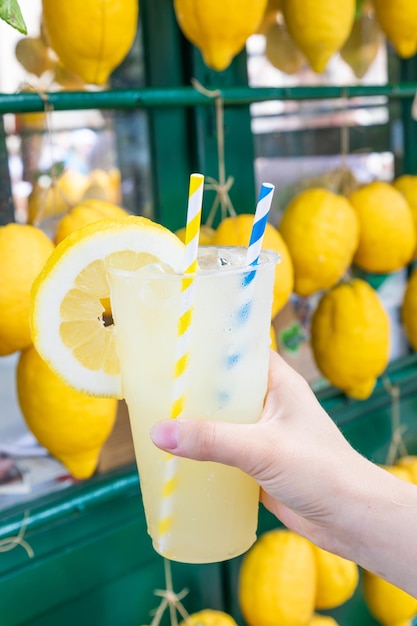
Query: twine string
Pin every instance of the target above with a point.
(397, 446)
(48, 109)
(9, 543)
(223, 185)
(170, 600)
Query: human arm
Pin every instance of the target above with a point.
(311, 478)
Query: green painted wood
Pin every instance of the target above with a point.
(6, 200)
(408, 69)
(92, 555)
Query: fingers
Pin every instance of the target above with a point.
(203, 440)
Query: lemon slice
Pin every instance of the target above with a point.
(70, 296)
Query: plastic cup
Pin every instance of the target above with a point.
(212, 508)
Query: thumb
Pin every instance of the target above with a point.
(204, 440)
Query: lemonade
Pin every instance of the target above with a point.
(212, 508)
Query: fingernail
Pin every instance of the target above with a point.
(165, 434)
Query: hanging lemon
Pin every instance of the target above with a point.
(322, 620)
(24, 250)
(87, 212)
(337, 579)
(277, 582)
(236, 231)
(407, 185)
(91, 37)
(387, 235)
(319, 27)
(72, 426)
(219, 28)
(321, 231)
(409, 464)
(387, 603)
(280, 49)
(398, 20)
(409, 310)
(350, 337)
(363, 43)
(209, 617)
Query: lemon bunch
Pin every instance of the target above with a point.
(284, 579)
(54, 198)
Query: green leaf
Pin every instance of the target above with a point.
(10, 12)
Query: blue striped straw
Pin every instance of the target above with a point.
(252, 257)
(258, 229)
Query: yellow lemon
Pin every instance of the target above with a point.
(387, 603)
(70, 425)
(409, 464)
(33, 55)
(407, 185)
(24, 250)
(280, 49)
(277, 582)
(219, 28)
(91, 37)
(236, 231)
(387, 235)
(53, 198)
(398, 20)
(398, 471)
(321, 231)
(363, 43)
(104, 185)
(206, 235)
(337, 579)
(322, 620)
(67, 298)
(273, 335)
(209, 617)
(319, 27)
(409, 309)
(87, 212)
(350, 336)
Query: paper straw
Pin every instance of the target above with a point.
(252, 256)
(258, 228)
(192, 231)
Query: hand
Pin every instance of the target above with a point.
(311, 478)
(295, 452)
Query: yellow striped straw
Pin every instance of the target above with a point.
(192, 231)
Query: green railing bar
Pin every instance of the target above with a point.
(188, 96)
(68, 502)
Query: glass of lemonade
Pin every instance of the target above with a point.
(211, 509)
